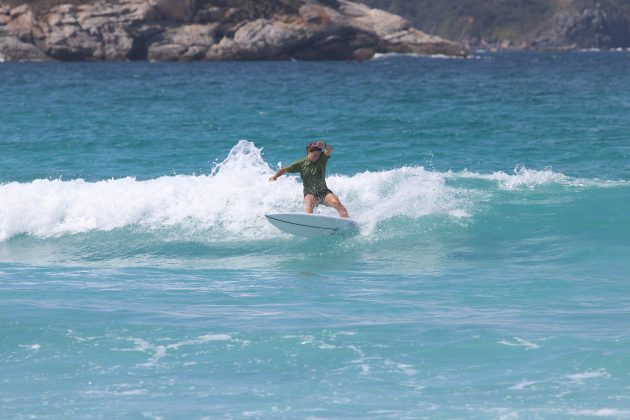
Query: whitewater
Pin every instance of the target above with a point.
(230, 202)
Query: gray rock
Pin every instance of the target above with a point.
(176, 30)
(175, 10)
(584, 27)
(99, 31)
(12, 49)
(376, 21)
(261, 38)
(395, 34)
(62, 36)
(352, 32)
(16, 35)
(21, 23)
(183, 43)
(208, 14)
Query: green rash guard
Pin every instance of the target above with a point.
(313, 174)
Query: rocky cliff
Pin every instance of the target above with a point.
(584, 25)
(520, 24)
(184, 30)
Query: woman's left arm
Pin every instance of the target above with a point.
(327, 148)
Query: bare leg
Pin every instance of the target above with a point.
(331, 200)
(309, 203)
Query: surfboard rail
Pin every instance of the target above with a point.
(310, 225)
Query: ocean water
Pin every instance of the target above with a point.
(490, 277)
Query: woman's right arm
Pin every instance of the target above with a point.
(278, 174)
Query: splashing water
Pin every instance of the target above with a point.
(230, 202)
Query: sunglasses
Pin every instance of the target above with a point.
(316, 149)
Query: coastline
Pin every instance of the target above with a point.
(169, 30)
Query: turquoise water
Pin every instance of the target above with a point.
(138, 277)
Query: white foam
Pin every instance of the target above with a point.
(141, 345)
(406, 369)
(519, 342)
(257, 413)
(33, 347)
(200, 340)
(524, 178)
(601, 412)
(132, 392)
(226, 204)
(326, 346)
(158, 351)
(411, 192)
(229, 203)
(230, 198)
(114, 392)
(522, 385)
(592, 374)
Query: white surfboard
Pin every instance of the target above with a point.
(311, 225)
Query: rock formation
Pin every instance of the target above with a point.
(16, 34)
(183, 30)
(582, 26)
(520, 24)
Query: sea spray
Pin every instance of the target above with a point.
(229, 203)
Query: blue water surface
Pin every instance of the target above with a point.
(139, 278)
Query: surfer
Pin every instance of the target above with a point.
(312, 169)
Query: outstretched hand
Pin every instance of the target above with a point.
(277, 174)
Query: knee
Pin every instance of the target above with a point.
(332, 200)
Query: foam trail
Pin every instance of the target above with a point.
(411, 192)
(229, 203)
(528, 178)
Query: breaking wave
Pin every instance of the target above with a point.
(229, 203)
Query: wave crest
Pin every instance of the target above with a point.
(229, 203)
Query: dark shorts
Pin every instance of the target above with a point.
(319, 195)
